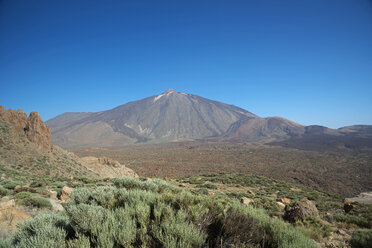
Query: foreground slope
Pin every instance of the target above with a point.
(134, 213)
(169, 116)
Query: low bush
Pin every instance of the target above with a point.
(315, 228)
(361, 239)
(3, 191)
(9, 184)
(32, 200)
(154, 214)
(352, 219)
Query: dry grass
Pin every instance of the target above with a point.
(345, 173)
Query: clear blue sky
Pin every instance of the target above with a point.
(308, 61)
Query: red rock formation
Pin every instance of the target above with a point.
(32, 126)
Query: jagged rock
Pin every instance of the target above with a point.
(246, 200)
(37, 132)
(32, 126)
(66, 193)
(300, 210)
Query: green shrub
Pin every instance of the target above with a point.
(315, 228)
(361, 239)
(3, 191)
(352, 219)
(23, 195)
(135, 214)
(32, 200)
(9, 184)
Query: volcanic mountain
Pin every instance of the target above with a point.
(177, 116)
(170, 116)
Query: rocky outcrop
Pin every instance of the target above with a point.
(300, 210)
(66, 193)
(246, 201)
(32, 126)
(107, 167)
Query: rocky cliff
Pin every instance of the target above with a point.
(32, 126)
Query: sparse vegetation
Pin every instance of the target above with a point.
(154, 214)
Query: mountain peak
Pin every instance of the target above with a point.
(169, 91)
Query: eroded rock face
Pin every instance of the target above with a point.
(107, 167)
(32, 126)
(300, 210)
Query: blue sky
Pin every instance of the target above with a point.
(308, 61)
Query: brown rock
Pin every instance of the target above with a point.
(7, 204)
(53, 194)
(284, 200)
(66, 193)
(246, 200)
(37, 132)
(17, 189)
(211, 193)
(281, 205)
(347, 206)
(300, 210)
(32, 126)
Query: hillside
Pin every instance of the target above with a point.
(26, 145)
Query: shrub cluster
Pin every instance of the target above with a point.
(32, 200)
(361, 239)
(137, 213)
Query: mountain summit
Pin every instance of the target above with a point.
(169, 116)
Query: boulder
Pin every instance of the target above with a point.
(281, 205)
(66, 193)
(348, 206)
(246, 200)
(286, 201)
(300, 210)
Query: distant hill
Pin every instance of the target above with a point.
(263, 130)
(170, 116)
(177, 116)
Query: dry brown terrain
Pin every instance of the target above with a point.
(348, 173)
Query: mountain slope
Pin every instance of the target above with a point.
(169, 116)
(263, 130)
